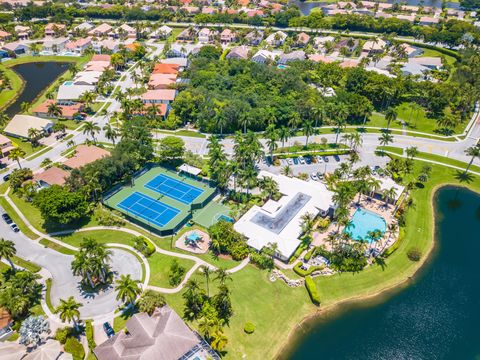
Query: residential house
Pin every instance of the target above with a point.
(85, 26)
(53, 29)
(302, 39)
(163, 68)
(433, 63)
(238, 52)
(84, 155)
(162, 81)
(6, 146)
(73, 111)
(350, 44)
(374, 46)
(98, 65)
(319, 58)
(178, 51)
(79, 46)
(181, 62)
(161, 96)
(54, 46)
(161, 33)
(293, 56)
(206, 35)
(411, 51)
(6, 322)
(23, 32)
(188, 34)
(106, 45)
(254, 37)
(191, 9)
(320, 41)
(51, 176)
(16, 48)
(5, 36)
(161, 110)
(161, 336)
(428, 20)
(68, 93)
(409, 18)
(228, 36)
(101, 30)
(87, 78)
(208, 10)
(276, 39)
(263, 56)
(20, 125)
(349, 63)
(127, 31)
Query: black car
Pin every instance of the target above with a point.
(326, 159)
(108, 329)
(308, 160)
(6, 177)
(337, 158)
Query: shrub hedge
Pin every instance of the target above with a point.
(312, 290)
(249, 327)
(301, 272)
(89, 333)
(144, 246)
(73, 346)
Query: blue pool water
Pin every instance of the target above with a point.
(364, 221)
(225, 218)
(68, 83)
(282, 66)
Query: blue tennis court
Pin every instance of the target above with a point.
(174, 189)
(149, 209)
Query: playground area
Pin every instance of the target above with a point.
(194, 241)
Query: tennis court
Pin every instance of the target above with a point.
(174, 189)
(149, 209)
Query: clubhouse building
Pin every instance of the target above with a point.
(280, 222)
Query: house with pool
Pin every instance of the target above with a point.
(280, 222)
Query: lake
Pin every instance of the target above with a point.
(37, 76)
(307, 6)
(436, 316)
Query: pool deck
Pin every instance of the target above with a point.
(373, 205)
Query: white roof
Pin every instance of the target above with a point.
(87, 77)
(189, 169)
(20, 124)
(264, 225)
(272, 37)
(73, 92)
(265, 54)
(387, 183)
(183, 62)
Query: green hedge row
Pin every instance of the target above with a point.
(89, 333)
(312, 290)
(144, 246)
(304, 273)
(313, 153)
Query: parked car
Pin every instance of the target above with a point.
(308, 160)
(5, 216)
(108, 329)
(302, 160)
(314, 176)
(320, 175)
(295, 161)
(336, 157)
(60, 136)
(6, 177)
(319, 159)
(289, 161)
(14, 227)
(326, 159)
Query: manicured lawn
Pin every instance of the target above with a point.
(188, 133)
(16, 219)
(160, 268)
(101, 236)
(393, 149)
(54, 246)
(434, 53)
(7, 96)
(25, 145)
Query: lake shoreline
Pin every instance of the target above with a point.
(292, 340)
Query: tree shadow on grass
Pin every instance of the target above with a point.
(464, 177)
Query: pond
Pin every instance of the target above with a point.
(435, 317)
(307, 6)
(37, 77)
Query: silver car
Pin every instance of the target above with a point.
(314, 176)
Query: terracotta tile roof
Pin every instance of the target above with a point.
(84, 155)
(101, 57)
(5, 318)
(165, 69)
(161, 108)
(52, 176)
(159, 95)
(67, 111)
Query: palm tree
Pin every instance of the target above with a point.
(7, 251)
(385, 139)
(389, 194)
(87, 98)
(284, 135)
(294, 121)
(287, 170)
(268, 186)
(74, 69)
(207, 273)
(411, 151)
(54, 110)
(127, 289)
(308, 131)
(91, 128)
(219, 341)
(307, 223)
(15, 155)
(24, 106)
(222, 276)
(68, 311)
(474, 152)
(390, 115)
(110, 133)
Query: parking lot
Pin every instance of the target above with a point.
(323, 164)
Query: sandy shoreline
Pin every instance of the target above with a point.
(291, 339)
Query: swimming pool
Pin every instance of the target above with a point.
(364, 221)
(68, 83)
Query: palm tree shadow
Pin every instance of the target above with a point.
(380, 261)
(462, 176)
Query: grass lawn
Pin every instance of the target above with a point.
(393, 149)
(276, 309)
(57, 247)
(188, 133)
(434, 53)
(160, 268)
(25, 145)
(8, 96)
(101, 236)
(414, 122)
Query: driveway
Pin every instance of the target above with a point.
(64, 284)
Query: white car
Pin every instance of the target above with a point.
(302, 160)
(314, 176)
(290, 161)
(319, 159)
